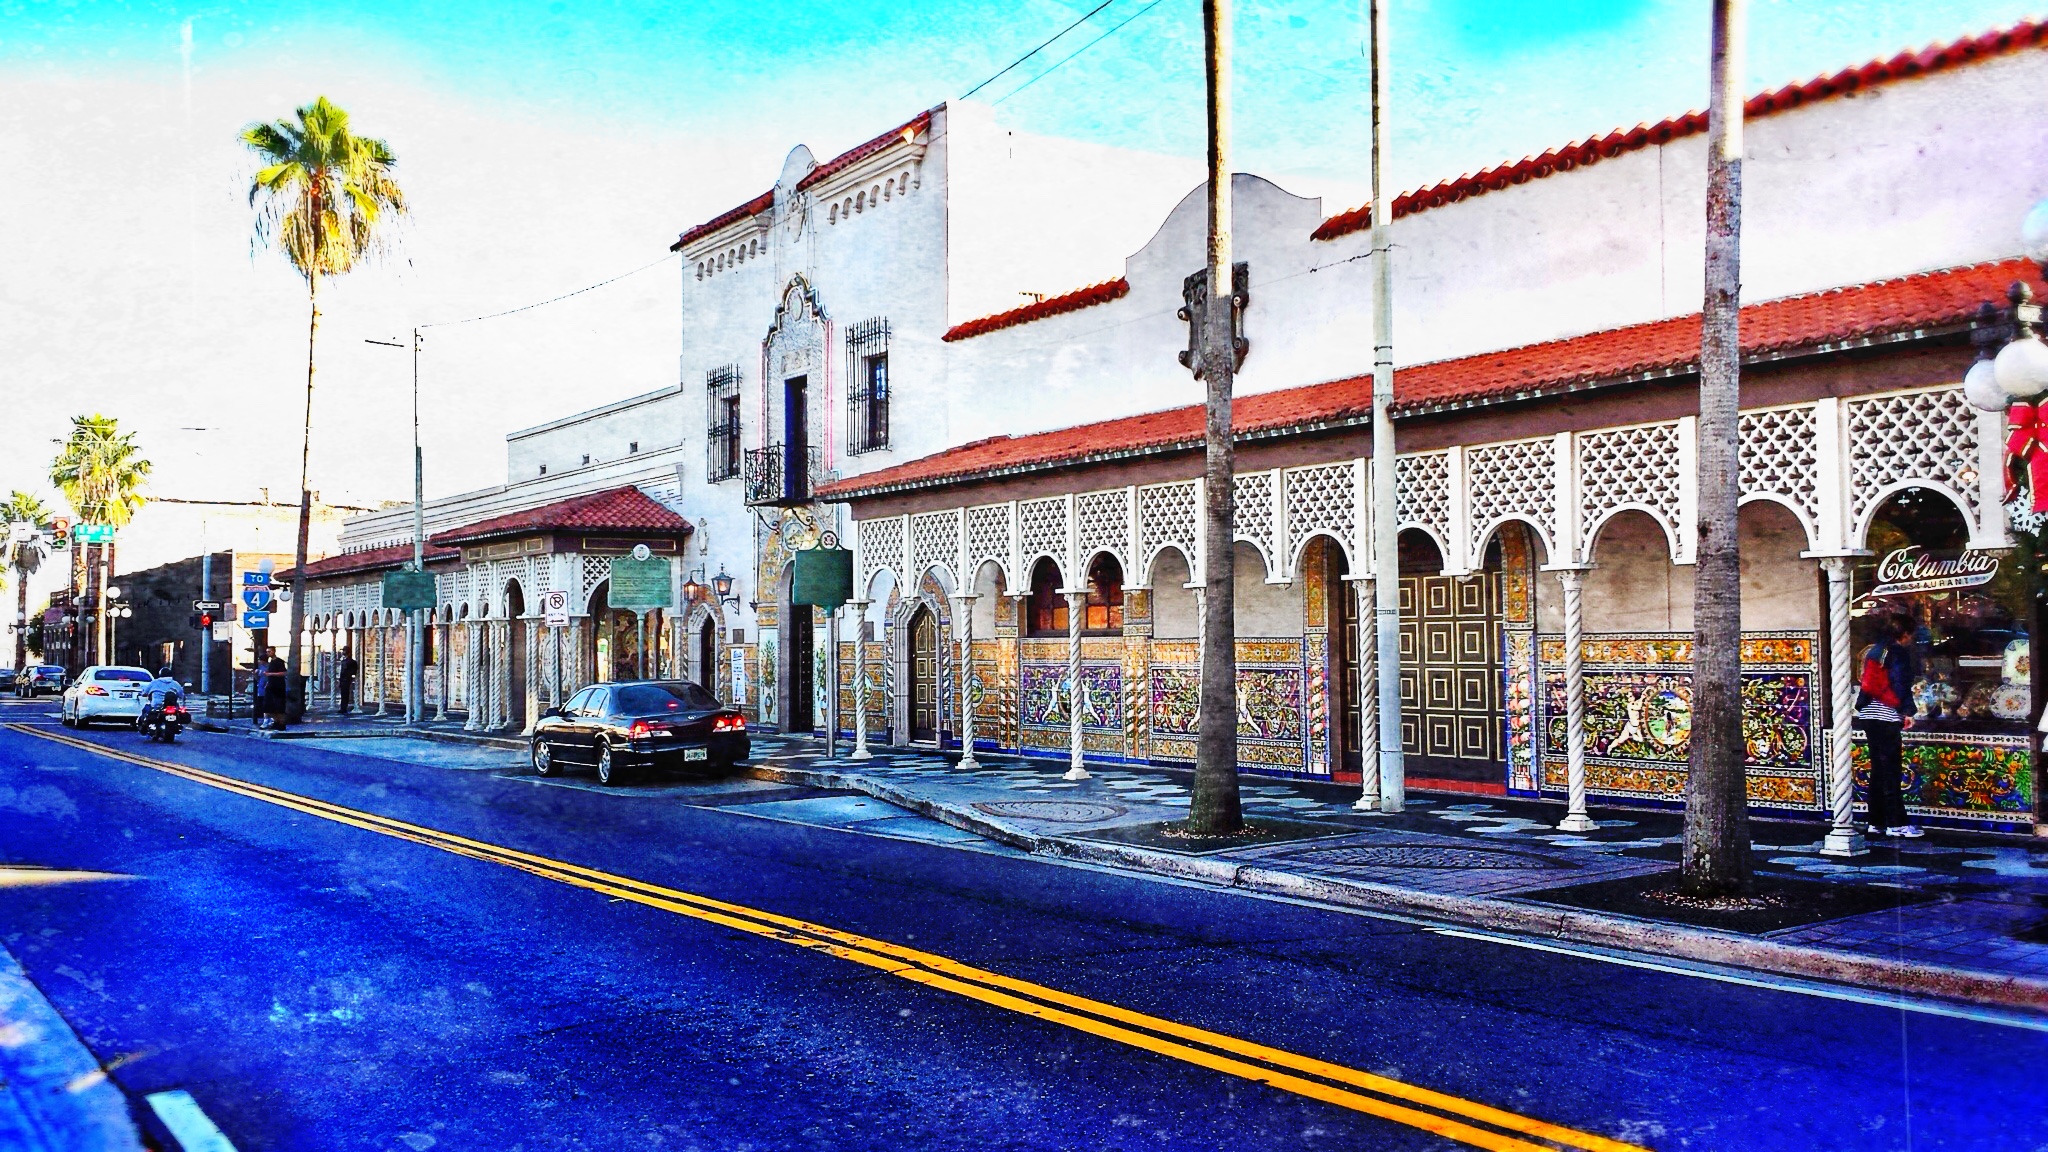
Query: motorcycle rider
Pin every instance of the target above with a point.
(157, 695)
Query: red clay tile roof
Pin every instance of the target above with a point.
(2026, 34)
(1073, 301)
(1659, 348)
(825, 171)
(625, 509)
(368, 560)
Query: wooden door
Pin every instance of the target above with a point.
(1451, 718)
(924, 676)
(1344, 677)
(802, 676)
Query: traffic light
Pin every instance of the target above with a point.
(60, 533)
(203, 620)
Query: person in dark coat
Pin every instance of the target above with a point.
(274, 693)
(258, 674)
(1885, 709)
(347, 673)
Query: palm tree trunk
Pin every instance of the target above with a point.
(1214, 806)
(305, 490)
(1716, 855)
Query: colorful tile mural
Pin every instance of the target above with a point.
(1520, 665)
(1961, 775)
(1101, 697)
(1272, 721)
(1638, 702)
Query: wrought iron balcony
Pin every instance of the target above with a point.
(781, 475)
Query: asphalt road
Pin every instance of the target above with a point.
(365, 953)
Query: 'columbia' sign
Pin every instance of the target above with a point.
(1913, 570)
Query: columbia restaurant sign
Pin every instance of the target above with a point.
(1911, 569)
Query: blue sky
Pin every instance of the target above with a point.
(1480, 80)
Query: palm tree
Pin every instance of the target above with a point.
(25, 557)
(1715, 861)
(100, 471)
(326, 199)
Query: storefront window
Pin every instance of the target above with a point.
(1972, 607)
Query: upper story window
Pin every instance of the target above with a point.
(1048, 603)
(867, 366)
(722, 423)
(1105, 611)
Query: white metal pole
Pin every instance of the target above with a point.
(1386, 546)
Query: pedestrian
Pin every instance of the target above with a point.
(347, 674)
(274, 687)
(1884, 709)
(258, 674)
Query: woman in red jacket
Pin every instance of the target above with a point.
(1884, 709)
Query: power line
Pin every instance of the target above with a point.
(1037, 50)
(554, 300)
(1082, 48)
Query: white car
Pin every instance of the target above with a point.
(105, 692)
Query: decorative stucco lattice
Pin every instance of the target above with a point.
(988, 537)
(1166, 515)
(596, 570)
(935, 539)
(1914, 436)
(1323, 499)
(1778, 457)
(1422, 492)
(1254, 521)
(1629, 467)
(1042, 530)
(1104, 524)
(881, 548)
(1516, 479)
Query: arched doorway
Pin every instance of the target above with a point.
(1451, 717)
(515, 654)
(924, 676)
(798, 652)
(707, 656)
(1340, 615)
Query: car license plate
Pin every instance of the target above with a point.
(696, 753)
(124, 695)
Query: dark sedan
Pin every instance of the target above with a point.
(38, 679)
(641, 724)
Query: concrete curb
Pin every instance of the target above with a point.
(54, 1096)
(1520, 917)
(508, 743)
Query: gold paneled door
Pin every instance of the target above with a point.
(1451, 719)
(924, 676)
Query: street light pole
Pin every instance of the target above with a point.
(1389, 777)
(415, 655)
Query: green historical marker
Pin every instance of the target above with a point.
(406, 590)
(823, 578)
(640, 582)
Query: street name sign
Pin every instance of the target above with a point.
(206, 605)
(638, 585)
(93, 533)
(406, 591)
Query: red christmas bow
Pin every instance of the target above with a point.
(2027, 443)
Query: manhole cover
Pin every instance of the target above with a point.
(1057, 811)
(1422, 856)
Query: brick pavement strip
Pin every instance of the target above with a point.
(54, 1096)
(927, 795)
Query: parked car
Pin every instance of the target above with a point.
(7, 679)
(38, 679)
(639, 724)
(105, 692)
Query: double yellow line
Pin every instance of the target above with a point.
(1452, 1117)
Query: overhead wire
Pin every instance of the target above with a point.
(555, 299)
(1083, 48)
(1035, 51)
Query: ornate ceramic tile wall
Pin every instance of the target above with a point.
(1962, 776)
(1638, 690)
(1043, 706)
(1272, 728)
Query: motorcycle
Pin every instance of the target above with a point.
(161, 725)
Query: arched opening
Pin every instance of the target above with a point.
(1047, 613)
(924, 675)
(1452, 723)
(1633, 586)
(515, 655)
(1173, 602)
(1105, 603)
(1339, 611)
(707, 655)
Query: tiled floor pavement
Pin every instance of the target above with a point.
(1988, 891)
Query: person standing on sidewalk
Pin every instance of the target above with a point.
(347, 673)
(1884, 709)
(274, 688)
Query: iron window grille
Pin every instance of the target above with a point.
(867, 366)
(722, 423)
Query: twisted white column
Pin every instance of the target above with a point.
(472, 691)
(1842, 839)
(383, 640)
(501, 682)
(967, 682)
(1077, 610)
(442, 658)
(1368, 701)
(860, 681)
(1575, 819)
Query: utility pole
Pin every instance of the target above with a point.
(1214, 807)
(1386, 548)
(1716, 853)
(416, 673)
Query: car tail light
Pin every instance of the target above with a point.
(729, 724)
(95, 690)
(641, 729)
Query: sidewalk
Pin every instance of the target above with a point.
(1955, 915)
(54, 1097)
(321, 724)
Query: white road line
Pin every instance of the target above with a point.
(187, 1123)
